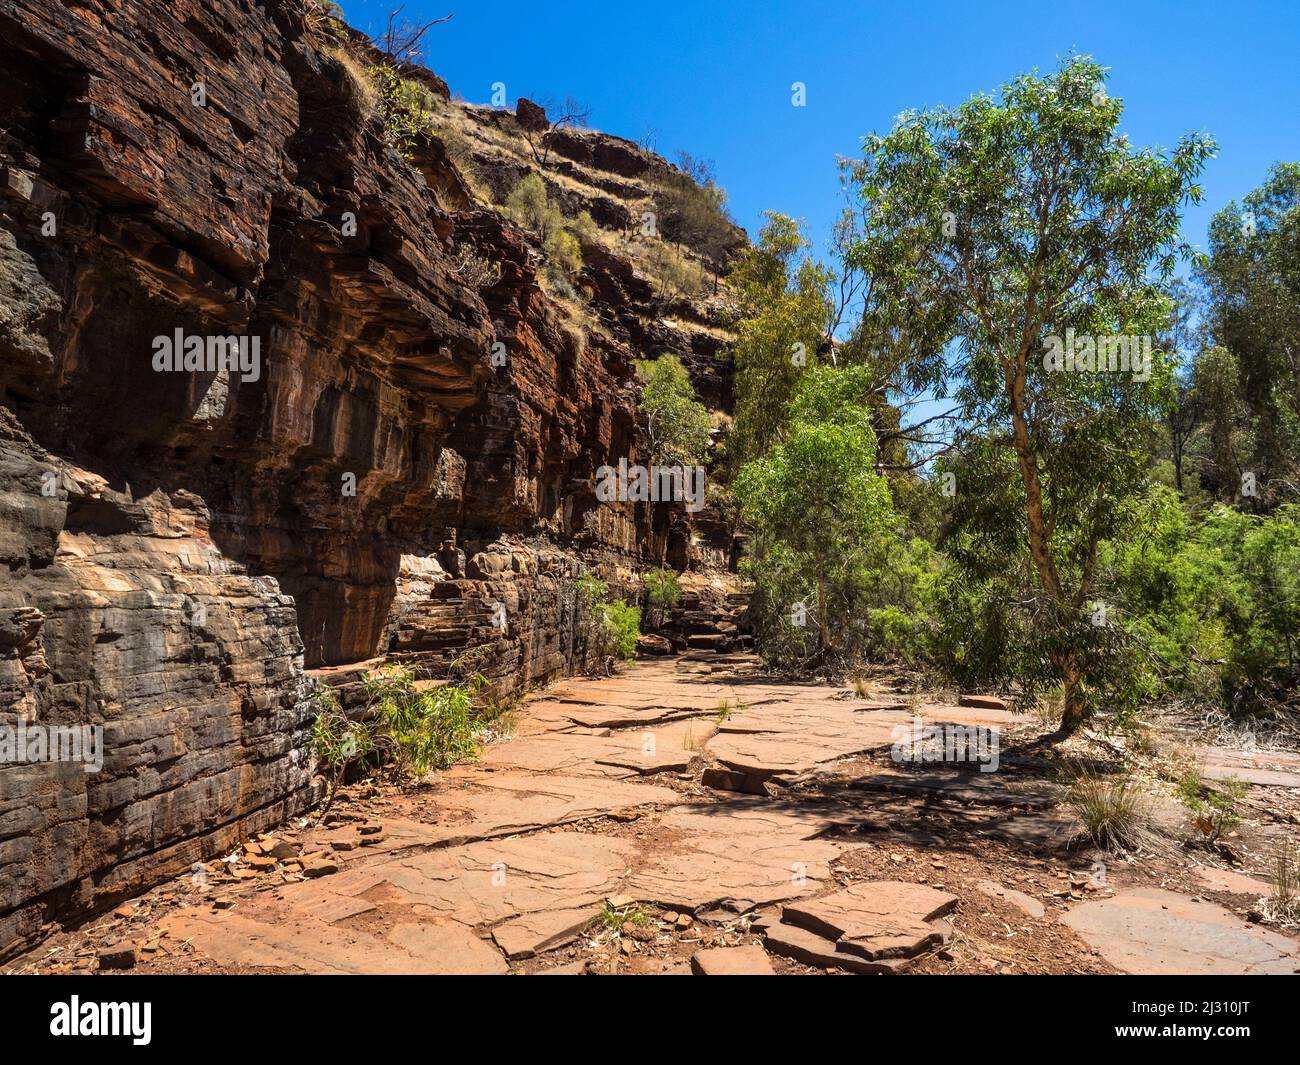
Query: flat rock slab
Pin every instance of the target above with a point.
(794, 729)
(664, 748)
(802, 945)
(732, 961)
(1155, 932)
(1026, 904)
(983, 702)
(1267, 768)
(488, 882)
(478, 803)
(1236, 883)
(312, 946)
(876, 919)
(536, 933)
(742, 852)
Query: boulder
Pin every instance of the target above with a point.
(531, 116)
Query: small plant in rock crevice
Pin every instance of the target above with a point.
(610, 627)
(417, 727)
(406, 106)
(612, 918)
(338, 742)
(425, 728)
(663, 591)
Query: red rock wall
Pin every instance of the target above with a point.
(473, 480)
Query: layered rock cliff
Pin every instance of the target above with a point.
(415, 445)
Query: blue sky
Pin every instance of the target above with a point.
(714, 78)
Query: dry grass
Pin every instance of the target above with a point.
(364, 92)
(857, 676)
(1047, 708)
(691, 743)
(1115, 810)
(1283, 905)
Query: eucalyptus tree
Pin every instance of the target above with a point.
(998, 233)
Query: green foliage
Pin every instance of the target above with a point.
(1217, 603)
(1205, 610)
(424, 728)
(1213, 807)
(338, 742)
(564, 252)
(991, 227)
(784, 309)
(678, 424)
(418, 728)
(663, 591)
(611, 627)
(407, 108)
(1081, 561)
(623, 626)
(819, 512)
(1252, 281)
(613, 918)
(531, 206)
(1227, 437)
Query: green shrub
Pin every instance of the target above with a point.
(663, 591)
(407, 108)
(530, 205)
(584, 226)
(425, 729)
(623, 625)
(1213, 807)
(564, 252)
(337, 741)
(611, 628)
(1216, 604)
(677, 423)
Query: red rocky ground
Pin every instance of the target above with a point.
(589, 843)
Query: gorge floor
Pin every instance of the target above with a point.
(693, 814)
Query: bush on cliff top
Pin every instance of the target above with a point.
(531, 206)
(407, 108)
